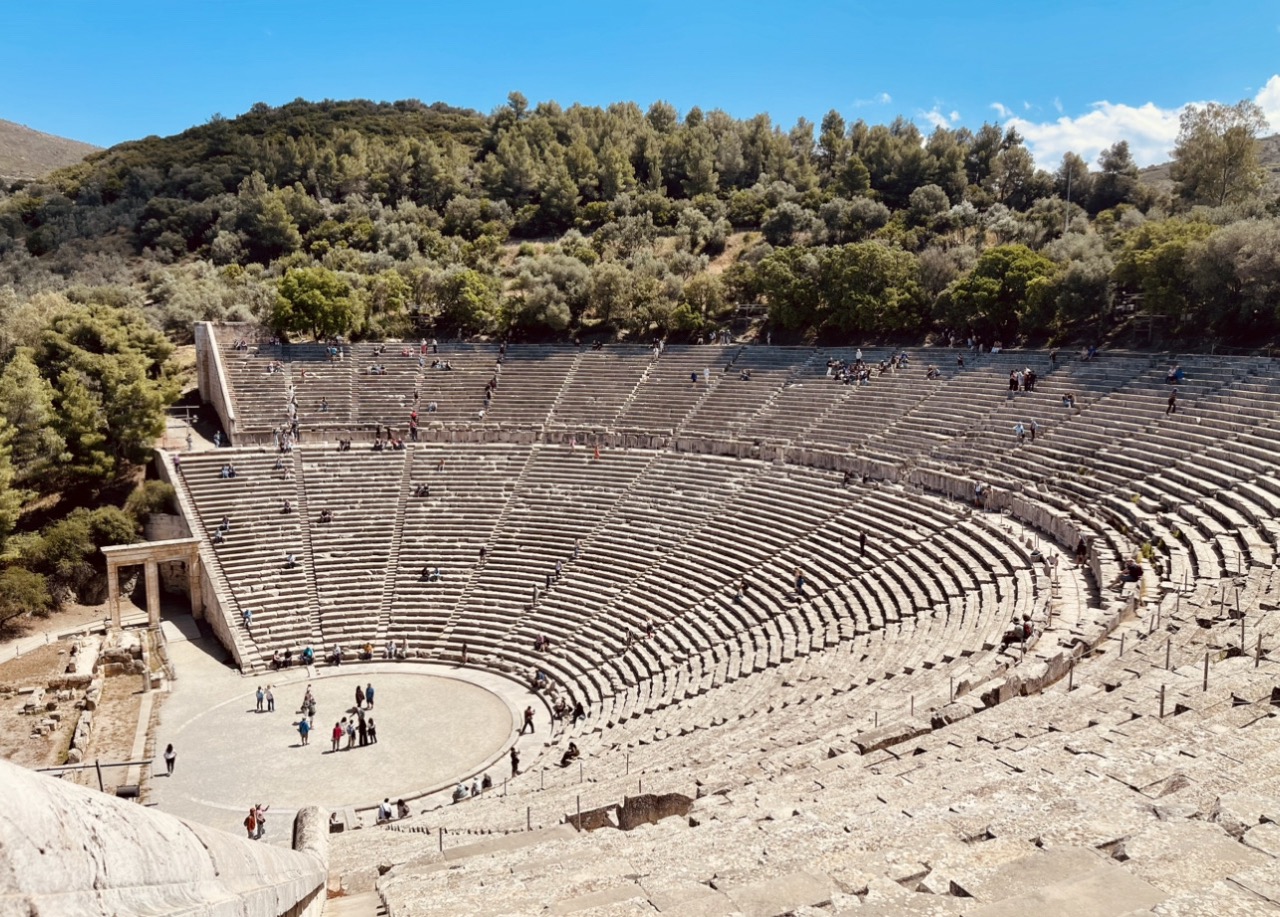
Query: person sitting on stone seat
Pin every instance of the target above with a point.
(286, 507)
(326, 515)
(290, 561)
(288, 657)
(1131, 572)
(570, 755)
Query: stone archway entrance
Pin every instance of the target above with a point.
(149, 555)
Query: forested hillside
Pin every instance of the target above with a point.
(364, 218)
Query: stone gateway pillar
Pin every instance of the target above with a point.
(149, 555)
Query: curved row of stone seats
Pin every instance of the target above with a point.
(469, 488)
(384, 399)
(599, 769)
(458, 393)
(364, 493)
(600, 386)
(803, 398)
(261, 398)
(252, 555)
(1176, 472)
(730, 406)
(320, 386)
(666, 392)
(802, 629)
(673, 751)
(531, 380)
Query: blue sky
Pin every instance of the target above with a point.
(1068, 75)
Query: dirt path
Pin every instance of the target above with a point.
(115, 724)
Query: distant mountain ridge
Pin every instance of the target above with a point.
(28, 154)
(1269, 154)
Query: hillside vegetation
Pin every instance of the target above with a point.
(383, 219)
(26, 154)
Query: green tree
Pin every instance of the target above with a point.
(22, 591)
(466, 299)
(1117, 182)
(1216, 159)
(790, 279)
(317, 301)
(150, 497)
(67, 552)
(106, 365)
(1006, 291)
(27, 405)
(610, 294)
(704, 294)
(1154, 264)
(871, 288)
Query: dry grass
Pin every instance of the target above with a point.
(25, 153)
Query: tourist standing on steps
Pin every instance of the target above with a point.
(368, 696)
(260, 697)
(515, 761)
(260, 816)
(359, 697)
(271, 700)
(528, 720)
(170, 756)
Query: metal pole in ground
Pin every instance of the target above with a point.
(1206, 671)
(1168, 651)
(1162, 702)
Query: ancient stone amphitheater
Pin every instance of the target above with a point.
(867, 744)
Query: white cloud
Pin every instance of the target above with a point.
(934, 117)
(880, 98)
(1150, 130)
(1268, 100)
(1057, 104)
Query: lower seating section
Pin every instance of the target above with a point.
(253, 552)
